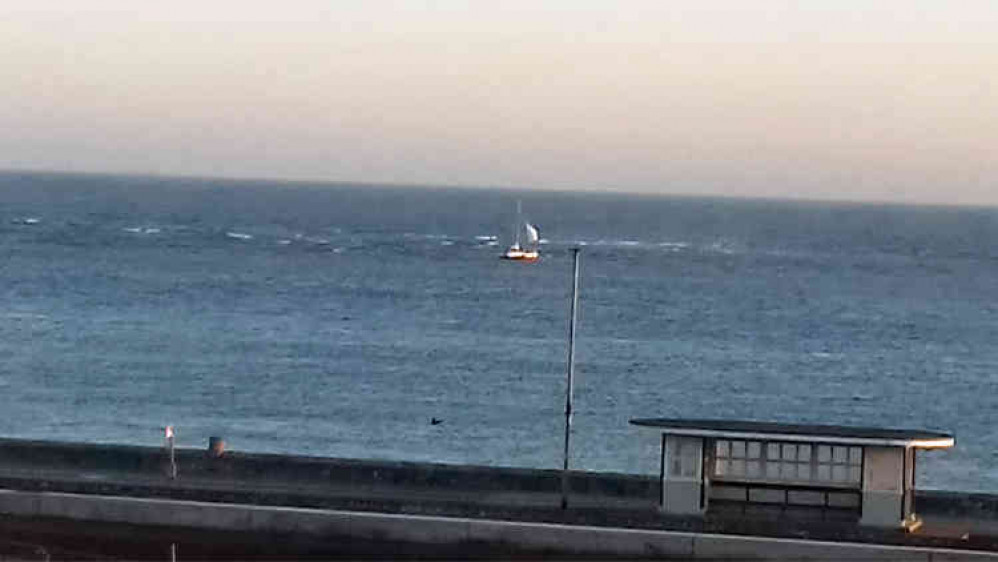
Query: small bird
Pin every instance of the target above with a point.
(436, 421)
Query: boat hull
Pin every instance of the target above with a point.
(521, 255)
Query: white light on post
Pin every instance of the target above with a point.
(169, 433)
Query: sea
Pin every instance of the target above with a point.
(345, 319)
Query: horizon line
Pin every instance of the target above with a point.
(302, 182)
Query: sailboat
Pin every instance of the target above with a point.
(531, 238)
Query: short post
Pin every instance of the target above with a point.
(216, 446)
(173, 457)
(571, 376)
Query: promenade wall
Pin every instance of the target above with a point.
(154, 461)
(129, 484)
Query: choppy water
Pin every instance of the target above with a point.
(338, 320)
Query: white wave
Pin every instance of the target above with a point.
(604, 242)
(284, 242)
(630, 243)
(722, 247)
(23, 316)
(142, 230)
(28, 220)
(486, 237)
(425, 236)
(239, 235)
(446, 242)
(543, 241)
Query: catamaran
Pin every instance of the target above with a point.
(528, 251)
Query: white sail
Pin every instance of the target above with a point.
(533, 236)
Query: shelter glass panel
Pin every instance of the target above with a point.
(779, 461)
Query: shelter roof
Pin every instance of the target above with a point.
(759, 430)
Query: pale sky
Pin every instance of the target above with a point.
(831, 99)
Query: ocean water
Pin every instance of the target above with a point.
(339, 319)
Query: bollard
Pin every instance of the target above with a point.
(216, 446)
(170, 436)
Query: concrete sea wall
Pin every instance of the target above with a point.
(154, 461)
(426, 503)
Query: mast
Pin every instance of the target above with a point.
(517, 224)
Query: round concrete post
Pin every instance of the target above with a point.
(216, 446)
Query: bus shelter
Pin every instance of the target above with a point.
(863, 473)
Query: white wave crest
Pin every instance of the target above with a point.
(13, 315)
(725, 247)
(611, 243)
(142, 230)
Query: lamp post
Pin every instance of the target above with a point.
(571, 376)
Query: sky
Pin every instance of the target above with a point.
(879, 100)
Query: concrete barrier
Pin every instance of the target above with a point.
(963, 504)
(503, 535)
(53, 455)
(427, 489)
(212, 463)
